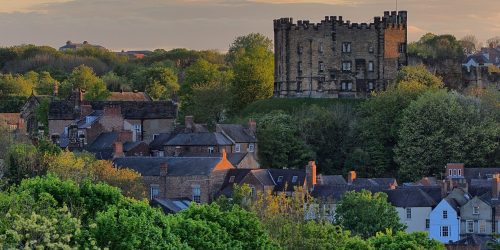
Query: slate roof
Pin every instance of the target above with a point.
(409, 197)
(454, 204)
(128, 96)
(92, 118)
(239, 175)
(160, 141)
(102, 146)
(127, 146)
(199, 139)
(287, 175)
(237, 133)
(234, 158)
(331, 180)
(367, 182)
(177, 166)
(171, 205)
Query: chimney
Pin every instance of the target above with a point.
(55, 90)
(252, 126)
(351, 176)
(81, 93)
(85, 42)
(311, 175)
(189, 122)
(118, 149)
(495, 187)
(68, 42)
(224, 154)
(163, 169)
(444, 188)
(125, 136)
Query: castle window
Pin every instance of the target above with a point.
(346, 47)
(137, 130)
(370, 48)
(320, 48)
(402, 48)
(299, 87)
(299, 68)
(346, 66)
(299, 49)
(321, 66)
(294, 178)
(346, 86)
(370, 66)
(370, 86)
(427, 223)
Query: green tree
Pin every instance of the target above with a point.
(253, 66)
(355, 212)
(42, 114)
(404, 241)
(45, 84)
(161, 82)
(442, 127)
(115, 82)
(22, 162)
(432, 47)
(15, 85)
(83, 77)
(210, 102)
(280, 145)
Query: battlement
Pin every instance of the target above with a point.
(391, 19)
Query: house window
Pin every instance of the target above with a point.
(251, 147)
(346, 86)
(469, 226)
(160, 153)
(454, 172)
(196, 193)
(231, 179)
(346, 66)
(346, 47)
(459, 172)
(402, 48)
(210, 150)
(370, 66)
(280, 179)
(450, 172)
(445, 232)
(294, 178)
(321, 66)
(155, 136)
(482, 226)
(445, 214)
(320, 48)
(137, 132)
(427, 223)
(237, 148)
(154, 191)
(408, 213)
(475, 210)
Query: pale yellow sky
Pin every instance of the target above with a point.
(213, 24)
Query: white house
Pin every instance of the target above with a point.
(414, 207)
(445, 221)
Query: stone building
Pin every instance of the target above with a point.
(336, 58)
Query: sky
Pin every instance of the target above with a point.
(213, 24)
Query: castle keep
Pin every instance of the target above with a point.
(337, 58)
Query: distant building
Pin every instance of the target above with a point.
(482, 69)
(74, 46)
(336, 58)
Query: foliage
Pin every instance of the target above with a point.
(160, 82)
(356, 209)
(442, 127)
(436, 47)
(419, 75)
(469, 44)
(244, 44)
(15, 85)
(115, 82)
(210, 102)
(44, 84)
(279, 142)
(405, 241)
(83, 77)
(22, 161)
(42, 114)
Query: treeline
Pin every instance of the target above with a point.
(409, 131)
(208, 84)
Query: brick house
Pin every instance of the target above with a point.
(196, 178)
(13, 122)
(243, 138)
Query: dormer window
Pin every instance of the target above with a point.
(237, 148)
(280, 179)
(231, 179)
(294, 179)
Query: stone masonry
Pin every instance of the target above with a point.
(337, 58)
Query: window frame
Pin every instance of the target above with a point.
(294, 178)
(196, 193)
(469, 226)
(237, 147)
(427, 223)
(445, 214)
(346, 66)
(280, 179)
(442, 231)
(475, 210)
(251, 147)
(371, 66)
(231, 178)
(346, 47)
(154, 187)
(408, 213)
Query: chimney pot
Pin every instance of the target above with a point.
(118, 149)
(252, 126)
(351, 177)
(311, 175)
(189, 122)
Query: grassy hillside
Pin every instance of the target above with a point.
(290, 105)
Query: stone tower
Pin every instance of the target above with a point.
(337, 58)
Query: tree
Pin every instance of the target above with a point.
(161, 82)
(210, 101)
(280, 145)
(442, 127)
(494, 41)
(244, 44)
(356, 210)
(22, 162)
(253, 66)
(83, 77)
(417, 75)
(45, 84)
(469, 44)
(116, 83)
(15, 85)
(432, 47)
(403, 241)
(129, 181)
